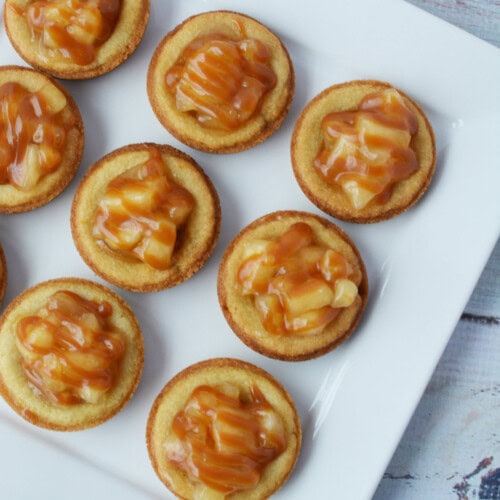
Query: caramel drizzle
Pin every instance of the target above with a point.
(284, 270)
(78, 30)
(373, 162)
(220, 81)
(26, 121)
(225, 446)
(63, 321)
(157, 221)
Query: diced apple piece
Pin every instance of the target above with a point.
(308, 258)
(254, 247)
(298, 236)
(232, 430)
(157, 254)
(87, 361)
(139, 196)
(81, 35)
(271, 313)
(112, 202)
(340, 125)
(254, 275)
(129, 233)
(50, 370)
(229, 389)
(333, 265)
(311, 322)
(56, 100)
(90, 321)
(28, 174)
(115, 343)
(372, 131)
(56, 13)
(40, 336)
(50, 158)
(274, 431)
(27, 355)
(66, 303)
(158, 249)
(311, 294)
(49, 39)
(358, 195)
(175, 449)
(90, 19)
(180, 204)
(91, 394)
(345, 293)
(344, 147)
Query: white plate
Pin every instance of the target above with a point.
(356, 401)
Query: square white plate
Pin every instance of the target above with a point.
(356, 401)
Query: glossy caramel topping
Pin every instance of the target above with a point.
(298, 285)
(70, 350)
(32, 135)
(224, 437)
(141, 212)
(74, 29)
(222, 82)
(367, 151)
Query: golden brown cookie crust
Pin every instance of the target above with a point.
(307, 140)
(126, 37)
(13, 385)
(212, 372)
(197, 238)
(240, 312)
(13, 200)
(3, 273)
(184, 126)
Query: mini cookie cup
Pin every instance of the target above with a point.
(239, 309)
(37, 410)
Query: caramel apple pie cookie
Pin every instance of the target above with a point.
(223, 428)
(75, 39)
(145, 217)
(221, 82)
(41, 139)
(363, 151)
(71, 354)
(292, 285)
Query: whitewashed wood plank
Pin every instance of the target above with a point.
(480, 17)
(456, 427)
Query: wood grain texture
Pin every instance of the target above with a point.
(479, 17)
(451, 448)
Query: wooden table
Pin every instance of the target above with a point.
(451, 448)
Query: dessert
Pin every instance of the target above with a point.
(221, 82)
(223, 428)
(145, 217)
(75, 39)
(3, 273)
(41, 139)
(363, 151)
(71, 354)
(292, 285)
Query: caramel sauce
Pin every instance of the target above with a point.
(141, 212)
(221, 81)
(367, 151)
(70, 350)
(32, 137)
(224, 438)
(298, 285)
(75, 29)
